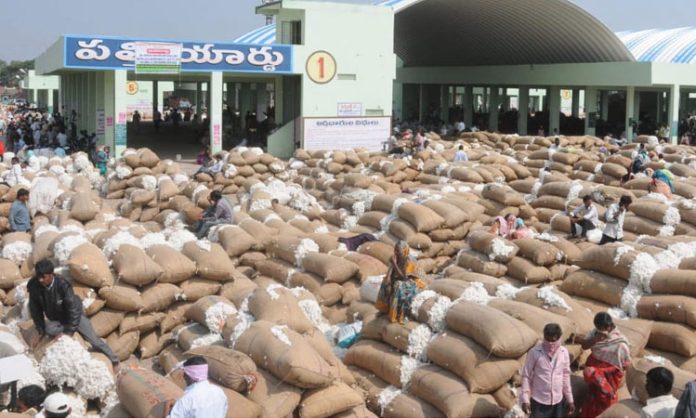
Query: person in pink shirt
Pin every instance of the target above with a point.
(546, 387)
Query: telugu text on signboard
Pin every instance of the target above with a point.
(345, 133)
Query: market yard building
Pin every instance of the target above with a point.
(480, 61)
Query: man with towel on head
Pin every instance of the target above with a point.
(201, 399)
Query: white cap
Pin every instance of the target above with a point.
(57, 403)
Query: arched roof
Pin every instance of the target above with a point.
(492, 32)
(657, 45)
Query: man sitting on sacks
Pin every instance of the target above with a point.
(201, 399)
(585, 216)
(51, 297)
(219, 212)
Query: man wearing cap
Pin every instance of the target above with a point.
(56, 405)
(201, 399)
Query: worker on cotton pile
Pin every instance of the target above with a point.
(219, 212)
(614, 217)
(584, 216)
(51, 297)
(20, 221)
(201, 399)
(546, 390)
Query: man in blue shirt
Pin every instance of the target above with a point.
(20, 221)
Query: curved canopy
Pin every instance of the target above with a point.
(502, 32)
(676, 46)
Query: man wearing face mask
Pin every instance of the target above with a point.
(546, 389)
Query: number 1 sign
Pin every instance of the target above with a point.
(321, 67)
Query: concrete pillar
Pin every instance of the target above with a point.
(494, 98)
(660, 107)
(49, 101)
(630, 110)
(636, 110)
(590, 110)
(673, 115)
(421, 102)
(215, 111)
(120, 100)
(523, 111)
(468, 106)
(278, 99)
(575, 106)
(605, 104)
(398, 103)
(199, 98)
(554, 94)
(444, 103)
(261, 101)
(155, 97)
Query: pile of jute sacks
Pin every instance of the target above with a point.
(269, 299)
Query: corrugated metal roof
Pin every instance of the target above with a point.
(662, 45)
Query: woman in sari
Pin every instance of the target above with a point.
(503, 227)
(399, 286)
(604, 369)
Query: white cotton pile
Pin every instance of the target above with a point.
(629, 299)
(386, 396)
(270, 289)
(358, 209)
(81, 162)
(214, 234)
(321, 230)
(306, 246)
(440, 168)
(44, 192)
(68, 363)
(574, 191)
(197, 192)
(17, 251)
(206, 340)
(507, 291)
(420, 298)
(296, 164)
(418, 340)
(312, 311)
(475, 293)
(77, 406)
(349, 222)
(397, 204)
(112, 244)
(58, 170)
(153, 238)
(545, 236)
(34, 379)
(408, 367)
(270, 217)
(174, 221)
(64, 247)
(10, 340)
(500, 249)
(617, 313)
(278, 331)
(149, 182)
(179, 238)
(245, 319)
(180, 179)
(595, 235)
(652, 140)
(659, 197)
(552, 299)
(215, 316)
(364, 196)
(438, 312)
(620, 251)
(204, 245)
(656, 359)
(515, 412)
(642, 270)
(123, 172)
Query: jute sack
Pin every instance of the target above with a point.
(9, 274)
(360, 411)
(134, 266)
(674, 338)
(580, 316)
(452, 215)
(196, 288)
(331, 268)
(193, 335)
(482, 372)
(668, 308)
(655, 211)
(479, 263)
(550, 202)
(377, 358)
(84, 207)
(502, 194)
(284, 247)
(452, 288)
(636, 378)
(122, 297)
(279, 306)
(239, 406)
(603, 259)
(525, 271)
(421, 217)
(230, 368)
(106, 321)
(406, 405)
(673, 282)
(627, 408)
(405, 231)
(539, 252)
(329, 401)
(123, 345)
(326, 294)
(211, 311)
(637, 332)
(174, 315)
(614, 170)
(236, 241)
(274, 268)
(213, 264)
(367, 265)
(593, 285)
(490, 283)
(276, 398)
(238, 289)
(298, 363)
(175, 266)
(158, 296)
(166, 190)
(535, 318)
(141, 323)
(496, 248)
(499, 333)
(450, 395)
(145, 393)
(152, 343)
(570, 252)
(89, 266)
(379, 250)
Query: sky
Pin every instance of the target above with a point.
(37, 24)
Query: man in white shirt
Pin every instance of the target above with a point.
(461, 155)
(201, 399)
(461, 126)
(613, 231)
(62, 138)
(661, 403)
(585, 216)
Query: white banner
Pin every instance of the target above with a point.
(346, 133)
(349, 109)
(157, 58)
